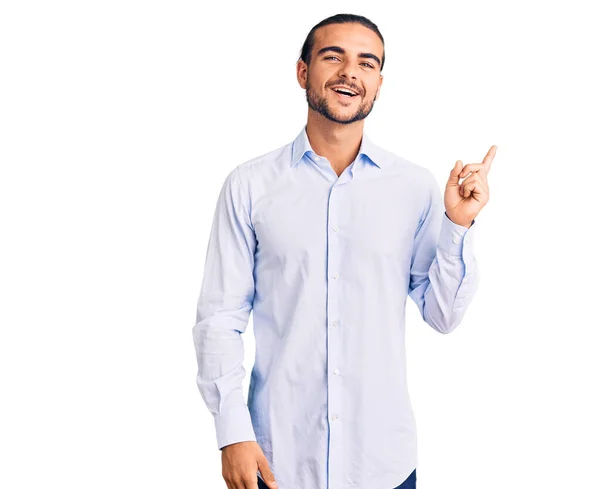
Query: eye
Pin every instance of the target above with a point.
(335, 57)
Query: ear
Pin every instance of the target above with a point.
(301, 73)
(379, 87)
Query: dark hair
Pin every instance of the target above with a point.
(305, 54)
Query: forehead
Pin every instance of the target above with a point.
(352, 37)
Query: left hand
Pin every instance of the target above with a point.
(463, 201)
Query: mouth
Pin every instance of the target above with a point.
(344, 93)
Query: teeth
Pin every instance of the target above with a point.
(345, 92)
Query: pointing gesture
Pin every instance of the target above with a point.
(463, 201)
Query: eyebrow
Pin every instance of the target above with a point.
(340, 50)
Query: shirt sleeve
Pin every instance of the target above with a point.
(223, 311)
(444, 273)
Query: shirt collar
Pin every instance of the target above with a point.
(374, 153)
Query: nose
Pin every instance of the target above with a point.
(347, 70)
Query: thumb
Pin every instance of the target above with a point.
(454, 174)
(265, 472)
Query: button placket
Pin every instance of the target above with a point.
(334, 352)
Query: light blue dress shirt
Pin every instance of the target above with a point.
(325, 263)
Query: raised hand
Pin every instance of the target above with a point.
(463, 201)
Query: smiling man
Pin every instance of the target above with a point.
(324, 239)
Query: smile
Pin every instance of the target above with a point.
(344, 94)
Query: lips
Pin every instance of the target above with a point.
(338, 89)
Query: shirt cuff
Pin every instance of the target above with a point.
(457, 240)
(234, 426)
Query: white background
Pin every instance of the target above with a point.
(119, 121)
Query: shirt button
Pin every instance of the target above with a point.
(336, 371)
(336, 229)
(317, 158)
(335, 323)
(334, 417)
(455, 240)
(336, 276)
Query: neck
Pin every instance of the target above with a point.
(339, 143)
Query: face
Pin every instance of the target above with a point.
(331, 68)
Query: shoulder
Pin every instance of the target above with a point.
(266, 162)
(417, 173)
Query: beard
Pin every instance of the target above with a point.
(321, 105)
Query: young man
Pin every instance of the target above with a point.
(324, 238)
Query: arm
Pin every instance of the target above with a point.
(444, 273)
(223, 312)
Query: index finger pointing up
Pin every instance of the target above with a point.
(487, 161)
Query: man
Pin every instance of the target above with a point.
(323, 239)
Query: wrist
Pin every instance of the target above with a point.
(463, 224)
